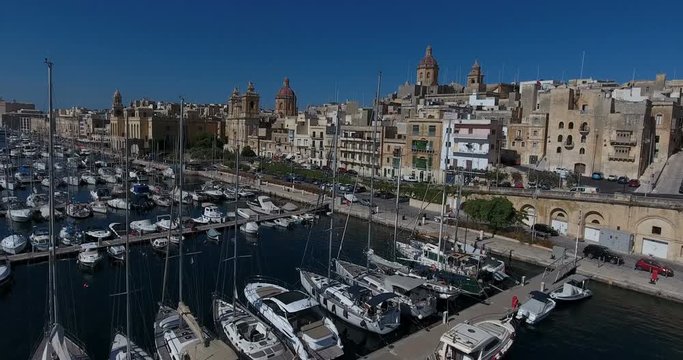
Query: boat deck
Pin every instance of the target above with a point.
(64, 251)
(421, 345)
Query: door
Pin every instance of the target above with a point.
(560, 225)
(655, 248)
(468, 164)
(591, 234)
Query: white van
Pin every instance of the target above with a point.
(585, 189)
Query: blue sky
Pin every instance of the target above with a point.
(202, 49)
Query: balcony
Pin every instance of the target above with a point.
(623, 140)
(569, 146)
(621, 157)
(584, 130)
(423, 150)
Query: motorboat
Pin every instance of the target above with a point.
(119, 204)
(413, 297)
(72, 180)
(36, 200)
(213, 214)
(164, 223)
(283, 222)
(573, 289)
(45, 212)
(355, 305)
(40, 239)
(120, 346)
(99, 207)
(246, 213)
(13, 244)
(176, 239)
(186, 196)
(118, 190)
(89, 256)
(308, 217)
(117, 252)
(39, 165)
(213, 234)
(133, 176)
(245, 193)
(99, 234)
(57, 183)
(101, 194)
(78, 210)
(264, 205)
(310, 333)
(488, 339)
(159, 244)
(71, 235)
(144, 226)
(536, 308)
(161, 200)
(250, 227)
(5, 271)
(213, 194)
(89, 178)
(169, 173)
(201, 220)
(8, 183)
(250, 336)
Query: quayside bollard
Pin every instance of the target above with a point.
(542, 286)
(444, 319)
(523, 280)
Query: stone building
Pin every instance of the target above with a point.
(360, 149)
(423, 146)
(394, 153)
(470, 144)
(285, 100)
(428, 70)
(25, 120)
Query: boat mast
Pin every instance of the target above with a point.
(234, 249)
(51, 198)
(180, 207)
(443, 192)
(334, 193)
(375, 153)
(398, 193)
(127, 260)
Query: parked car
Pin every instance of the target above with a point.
(611, 178)
(585, 189)
(622, 180)
(633, 183)
(544, 230)
(602, 253)
(544, 186)
(646, 264)
(597, 176)
(384, 195)
(519, 185)
(531, 184)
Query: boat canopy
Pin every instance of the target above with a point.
(403, 282)
(378, 299)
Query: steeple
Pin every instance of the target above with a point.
(475, 79)
(428, 69)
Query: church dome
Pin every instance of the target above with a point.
(285, 91)
(428, 60)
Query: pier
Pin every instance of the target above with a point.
(65, 251)
(421, 345)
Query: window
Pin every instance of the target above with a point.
(570, 139)
(429, 75)
(570, 126)
(470, 131)
(558, 150)
(513, 143)
(583, 139)
(416, 129)
(535, 132)
(519, 133)
(432, 130)
(534, 144)
(523, 144)
(560, 125)
(656, 139)
(657, 230)
(658, 119)
(582, 151)
(559, 138)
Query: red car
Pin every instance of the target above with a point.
(633, 183)
(650, 265)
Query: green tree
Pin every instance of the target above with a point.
(247, 152)
(498, 212)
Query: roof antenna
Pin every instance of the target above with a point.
(583, 58)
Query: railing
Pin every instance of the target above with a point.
(569, 146)
(622, 140)
(584, 130)
(427, 151)
(621, 157)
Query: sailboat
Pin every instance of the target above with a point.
(250, 336)
(122, 346)
(56, 344)
(177, 333)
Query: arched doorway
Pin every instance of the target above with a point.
(579, 168)
(530, 213)
(559, 221)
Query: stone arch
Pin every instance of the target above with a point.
(559, 220)
(531, 214)
(593, 218)
(645, 224)
(558, 213)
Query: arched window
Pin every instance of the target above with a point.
(559, 150)
(561, 125)
(559, 138)
(583, 138)
(569, 139)
(420, 75)
(570, 125)
(279, 106)
(582, 151)
(429, 75)
(252, 105)
(584, 126)
(658, 119)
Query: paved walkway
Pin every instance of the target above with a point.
(670, 179)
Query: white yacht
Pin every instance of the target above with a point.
(100, 194)
(78, 211)
(488, 339)
(213, 214)
(264, 205)
(70, 235)
(536, 308)
(119, 348)
(89, 178)
(250, 227)
(117, 252)
(283, 222)
(144, 226)
(246, 213)
(573, 289)
(159, 244)
(161, 200)
(40, 239)
(164, 222)
(17, 214)
(14, 244)
(298, 317)
(414, 299)
(119, 204)
(355, 305)
(39, 165)
(99, 207)
(250, 336)
(99, 234)
(89, 256)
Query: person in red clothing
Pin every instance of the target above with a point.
(654, 276)
(515, 302)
